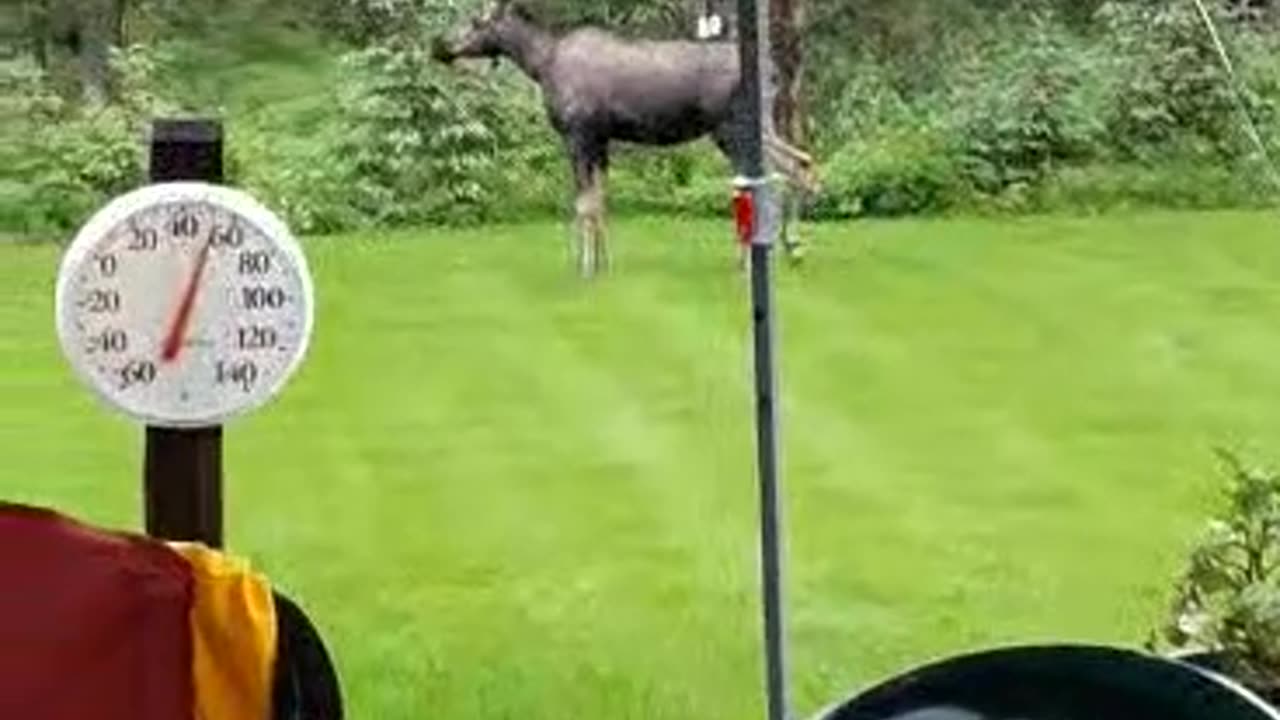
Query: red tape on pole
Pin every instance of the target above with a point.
(744, 215)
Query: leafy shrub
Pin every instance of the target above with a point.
(689, 180)
(1023, 107)
(307, 183)
(1170, 84)
(66, 159)
(1228, 598)
(427, 143)
(1038, 113)
(422, 143)
(370, 22)
(900, 171)
(1185, 183)
(867, 102)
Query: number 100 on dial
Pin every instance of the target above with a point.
(184, 304)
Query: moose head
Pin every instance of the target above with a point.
(486, 35)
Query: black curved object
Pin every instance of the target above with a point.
(1057, 682)
(306, 684)
(1215, 661)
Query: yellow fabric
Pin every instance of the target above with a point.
(233, 630)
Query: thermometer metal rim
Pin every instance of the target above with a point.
(119, 210)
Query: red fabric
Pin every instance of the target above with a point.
(744, 215)
(93, 624)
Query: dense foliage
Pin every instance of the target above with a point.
(1033, 114)
(915, 107)
(61, 158)
(1228, 598)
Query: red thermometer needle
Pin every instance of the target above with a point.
(173, 341)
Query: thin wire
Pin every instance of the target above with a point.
(1237, 94)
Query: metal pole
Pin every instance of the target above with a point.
(751, 38)
(182, 471)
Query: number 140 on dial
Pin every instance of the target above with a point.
(184, 304)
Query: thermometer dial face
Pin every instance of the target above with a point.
(184, 304)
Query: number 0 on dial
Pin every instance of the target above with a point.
(184, 304)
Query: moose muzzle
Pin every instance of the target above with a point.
(442, 52)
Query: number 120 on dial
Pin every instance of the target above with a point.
(184, 304)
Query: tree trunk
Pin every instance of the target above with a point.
(79, 35)
(61, 46)
(95, 51)
(38, 24)
(786, 23)
(20, 32)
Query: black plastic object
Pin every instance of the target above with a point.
(1216, 661)
(306, 684)
(1058, 682)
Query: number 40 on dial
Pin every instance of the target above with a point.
(184, 304)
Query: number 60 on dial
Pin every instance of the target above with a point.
(184, 304)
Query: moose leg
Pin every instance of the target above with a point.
(586, 231)
(798, 168)
(588, 203)
(797, 163)
(596, 192)
(590, 209)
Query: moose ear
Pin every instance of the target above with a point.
(519, 9)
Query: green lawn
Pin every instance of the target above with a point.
(504, 493)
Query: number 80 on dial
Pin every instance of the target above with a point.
(184, 304)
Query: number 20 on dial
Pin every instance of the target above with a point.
(184, 304)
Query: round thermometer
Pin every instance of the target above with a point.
(184, 304)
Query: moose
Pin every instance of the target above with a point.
(598, 88)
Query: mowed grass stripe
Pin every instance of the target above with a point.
(632, 388)
(543, 507)
(488, 521)
(1035, 362)
(60, 443)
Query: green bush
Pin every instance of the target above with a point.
(427, 143)
(900, 171)
(690, 180)
(867, 103)
(1172, 183)
(66, 159)
(1169, 83)
(1023, 108)
(372, 22)
(307, 183)
(1007, 116)
(1228, 597)
(1038, 113)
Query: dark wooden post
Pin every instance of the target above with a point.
(182, 475)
